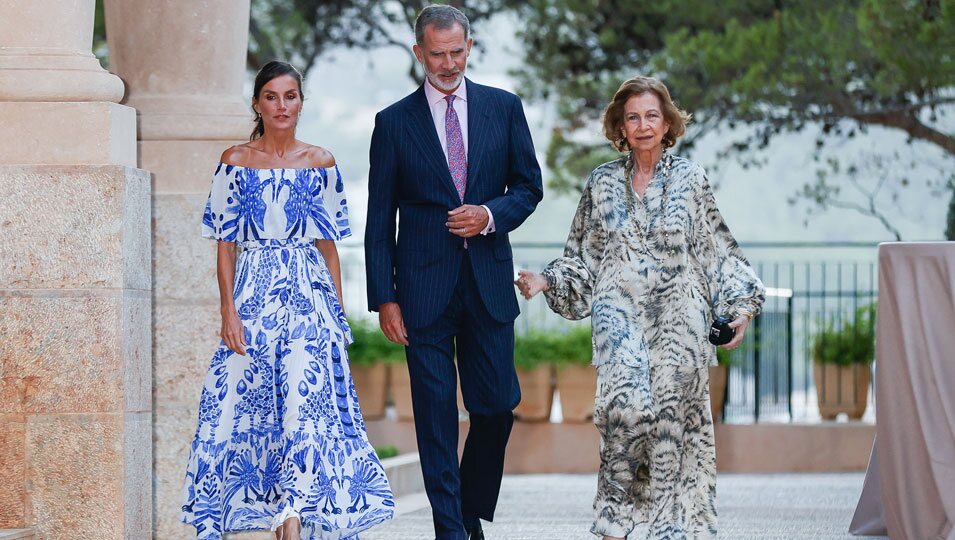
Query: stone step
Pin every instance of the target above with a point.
(17, 534)
(404, 474)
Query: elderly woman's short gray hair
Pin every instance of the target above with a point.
(441, 17)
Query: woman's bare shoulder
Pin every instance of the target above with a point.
(319, 157)
(239, 155)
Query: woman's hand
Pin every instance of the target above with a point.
(739, 325)
(530, 283)
(233, 333)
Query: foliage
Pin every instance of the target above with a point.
(387, 451)
(539, 347)
(774, 67)
(99, 35)
(851, 343)
(370, 345)
(724, 357)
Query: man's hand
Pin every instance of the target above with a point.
(467, 220)
(392, 324)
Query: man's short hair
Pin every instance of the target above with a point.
(441, 17)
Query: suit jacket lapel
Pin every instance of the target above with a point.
(478, 116)
(422, 131)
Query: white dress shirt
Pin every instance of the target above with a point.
(439, 112)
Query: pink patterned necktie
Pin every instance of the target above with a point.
(457, 160)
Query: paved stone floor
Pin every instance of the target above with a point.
(750, 506)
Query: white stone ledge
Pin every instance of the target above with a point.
(17, 534)
(404, 474)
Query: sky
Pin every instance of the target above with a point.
(347, 87)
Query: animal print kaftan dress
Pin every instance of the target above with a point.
(650, 272)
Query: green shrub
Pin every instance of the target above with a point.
(724, 357)
(852, 343)
(575, 346)
(385, 452)
(371, 346)
(537, 347)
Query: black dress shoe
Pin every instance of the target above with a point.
(477, 533)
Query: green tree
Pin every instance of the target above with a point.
(771, 66)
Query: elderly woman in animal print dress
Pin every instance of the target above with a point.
(651, 260)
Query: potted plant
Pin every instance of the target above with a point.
(718, 376)
(368, 357)
(576, 375)
(841, 364)
(399, 386)
(533, 354)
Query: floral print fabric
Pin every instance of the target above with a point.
(280, 431)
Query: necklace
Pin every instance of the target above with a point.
(667, 163)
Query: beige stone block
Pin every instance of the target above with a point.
(75, 354)
(13, 495)
(173, 430)
(137, 243)
(74, 227)
(184, 166)
(137, 351)
(137, 472)
(186, 336)
(51, 133)
(75, 464)
(185, 262)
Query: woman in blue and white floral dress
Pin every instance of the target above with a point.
(281, 443)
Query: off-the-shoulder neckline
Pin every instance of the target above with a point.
(222, 163)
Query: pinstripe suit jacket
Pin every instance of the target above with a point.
(417, 264)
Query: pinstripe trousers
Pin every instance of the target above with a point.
(461, 494)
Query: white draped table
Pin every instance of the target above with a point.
(909, 490)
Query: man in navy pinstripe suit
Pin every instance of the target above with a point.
(455, 161)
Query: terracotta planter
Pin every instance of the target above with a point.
(537, 393)
(718, 376)
(841, 389)
(371, 384)
(399, 389)
(577, 384)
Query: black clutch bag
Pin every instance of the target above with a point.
(720, 331)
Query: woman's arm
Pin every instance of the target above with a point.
(233, 333)
(740, 290)
(568, 281)
(330, 254)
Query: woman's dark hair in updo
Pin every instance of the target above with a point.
(268, 72)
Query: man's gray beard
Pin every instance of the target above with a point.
(437, 83)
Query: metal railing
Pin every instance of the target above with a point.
(810, 285)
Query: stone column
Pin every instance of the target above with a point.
(75, 374)
(184, 66)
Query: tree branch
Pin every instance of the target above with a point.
(910, 124)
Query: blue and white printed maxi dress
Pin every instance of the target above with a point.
(280, 432)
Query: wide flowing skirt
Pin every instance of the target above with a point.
(280, 432)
